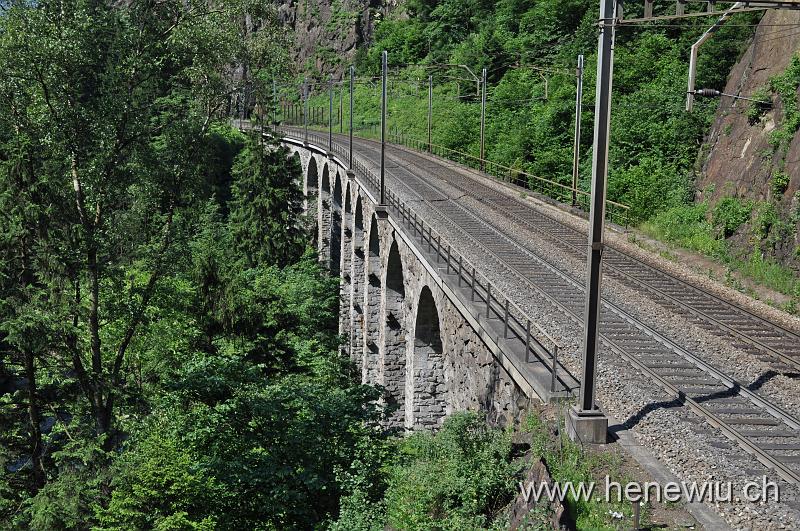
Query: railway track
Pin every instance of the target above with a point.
(762, 428)
(751, 333)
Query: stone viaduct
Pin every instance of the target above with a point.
(406, 328)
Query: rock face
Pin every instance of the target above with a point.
(328, 33)
(739, 160)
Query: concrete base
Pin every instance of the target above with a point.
(587, 426)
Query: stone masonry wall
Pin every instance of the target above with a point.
(403, 331)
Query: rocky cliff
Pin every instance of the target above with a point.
(328, 33)
(753, 151)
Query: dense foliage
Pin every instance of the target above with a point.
(529, 49)
(170, 350)
(169, 355)
(463, 477)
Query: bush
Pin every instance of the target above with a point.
(780, 182)
(688, 227)
(765, 218)
(460, 478)
(756, 109)
(730, 214)
(648, 187)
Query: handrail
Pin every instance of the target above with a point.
(514, 319)
(615, 211)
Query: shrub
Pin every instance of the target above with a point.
(766, 216)
(780, 182)
(460, 478)
(730, 214)
(648, 187)
(756, 109)
(687, 226)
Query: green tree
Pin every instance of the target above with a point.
(242, 443)
(266, 205)
(105, 113)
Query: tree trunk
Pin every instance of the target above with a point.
(34, 418)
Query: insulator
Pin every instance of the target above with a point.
(710, 93)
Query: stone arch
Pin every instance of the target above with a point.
(295, 156)
(358, 280)
(393, 341)
(325, 217)
(425, 386)
(336, 226)
(372, 303)
(311, 190)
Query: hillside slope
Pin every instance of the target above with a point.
(753, 154)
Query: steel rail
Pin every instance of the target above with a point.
(790, 360)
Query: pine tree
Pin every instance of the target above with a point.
(266, 205)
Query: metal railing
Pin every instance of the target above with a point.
(483, 294)
(563, 193)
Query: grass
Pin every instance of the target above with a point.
(688, 227)
(568, 462)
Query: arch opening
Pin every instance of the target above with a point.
(427, 401)
(311, 197)
(325, 218)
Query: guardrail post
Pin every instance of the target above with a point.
(505, 329)
(438, 248)
(448, 259)
(430, 239)
(488, 297)
(527, 339)
(554, 368)
(472, 295)
(459, 271)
